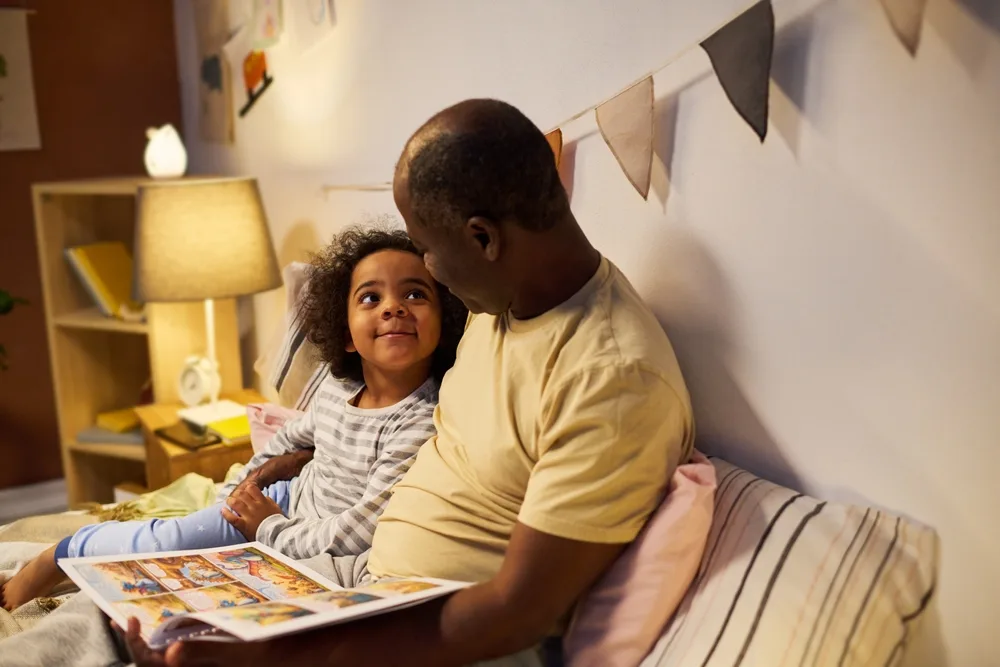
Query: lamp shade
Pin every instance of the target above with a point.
(203, 238)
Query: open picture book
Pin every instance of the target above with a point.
(245, 592)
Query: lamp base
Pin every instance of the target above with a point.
(200, 416)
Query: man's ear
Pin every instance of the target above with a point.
(484, 234)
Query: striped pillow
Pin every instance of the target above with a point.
(788, 581)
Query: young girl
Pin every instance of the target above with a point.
(388, 332)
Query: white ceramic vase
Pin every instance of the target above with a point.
(165, 156)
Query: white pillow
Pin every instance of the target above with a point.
(788, 580)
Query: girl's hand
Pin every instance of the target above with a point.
(247, 508)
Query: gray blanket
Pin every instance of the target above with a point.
(65, 630)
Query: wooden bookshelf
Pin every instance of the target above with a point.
(101, 363)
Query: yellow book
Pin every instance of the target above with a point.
(118, 421)
(83, 272)
(233, 431)
(106, 270)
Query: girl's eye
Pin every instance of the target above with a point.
(416, 294)
(368, 299)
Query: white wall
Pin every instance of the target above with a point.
(833, 295)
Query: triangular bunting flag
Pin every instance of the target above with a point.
(626, 122)
(555, 143)
(907, 19)
(741, 54)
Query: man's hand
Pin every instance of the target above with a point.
(202, 654)
(253, 479)
(247, 508)
(142, 655)
(276, 469)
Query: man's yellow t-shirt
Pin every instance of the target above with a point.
(571, 423)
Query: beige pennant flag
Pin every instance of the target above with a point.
(626, 122)
(907, 19)
(555, 143)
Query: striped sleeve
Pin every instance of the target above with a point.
(294, 435)
(350, 532)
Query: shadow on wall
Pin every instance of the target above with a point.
(969, 28)
(789, 80)
(665, 115)
(295, 246)
(697, 310)
(298, 243)
(986, 12)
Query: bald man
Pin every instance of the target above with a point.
(557, 430)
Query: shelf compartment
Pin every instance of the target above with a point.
(94, 320)
(122, 451)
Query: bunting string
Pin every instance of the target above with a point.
(382, 186)
(740, 50)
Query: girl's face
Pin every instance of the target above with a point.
(393, 311)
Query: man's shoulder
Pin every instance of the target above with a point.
(616, 328)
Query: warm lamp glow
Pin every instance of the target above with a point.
(203, 239)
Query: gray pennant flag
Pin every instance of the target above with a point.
(741, 54)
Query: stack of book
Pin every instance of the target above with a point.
(115, 427)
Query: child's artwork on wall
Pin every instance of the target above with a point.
(310, 21)
(215, 98)
(255, 78)
(18, 114)
(267, 23)
(252, 63)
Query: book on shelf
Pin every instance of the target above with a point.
(103, 436)
(105, 269)
(245, 592)
(118, 421)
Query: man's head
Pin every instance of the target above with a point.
(473, 182)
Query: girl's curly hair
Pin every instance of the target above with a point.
(323, 310)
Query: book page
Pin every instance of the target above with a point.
(272, 619)
(156, 588)
(244, 592)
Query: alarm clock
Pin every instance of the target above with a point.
(199, 381)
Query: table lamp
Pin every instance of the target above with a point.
(202, 239)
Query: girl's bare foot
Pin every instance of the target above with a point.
(35, 579)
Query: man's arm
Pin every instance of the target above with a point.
(540, 581)
(293, 444)
(541, 578)
(278, 468)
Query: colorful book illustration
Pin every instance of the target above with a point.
(105, 269)
(245, 592)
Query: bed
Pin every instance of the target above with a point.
(777, 578)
